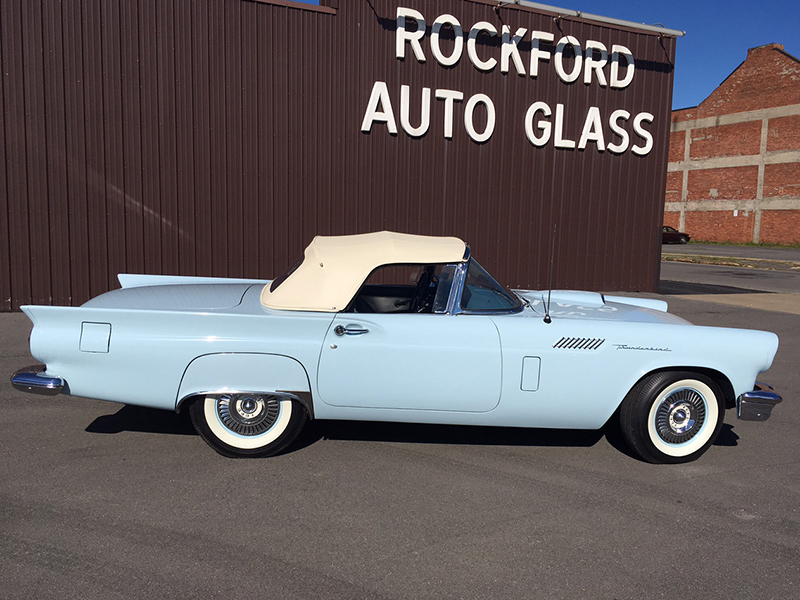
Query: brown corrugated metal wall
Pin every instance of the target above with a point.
(202, 137)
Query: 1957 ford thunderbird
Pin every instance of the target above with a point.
(396, 327)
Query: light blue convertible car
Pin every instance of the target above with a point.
(396, 327)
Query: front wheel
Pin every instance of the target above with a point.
(253, 425)
(672, 417)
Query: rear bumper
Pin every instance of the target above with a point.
(758, 404)
(33, 381)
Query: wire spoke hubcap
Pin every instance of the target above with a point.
(681, 415)
(248, 414)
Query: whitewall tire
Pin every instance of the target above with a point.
(672, 417)
(247, 424)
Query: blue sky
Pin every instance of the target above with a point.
(718, 34)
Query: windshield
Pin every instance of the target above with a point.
(482, 293)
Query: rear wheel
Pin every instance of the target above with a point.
(252, 425)
(672, 417)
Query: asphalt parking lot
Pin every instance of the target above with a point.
(106, 501)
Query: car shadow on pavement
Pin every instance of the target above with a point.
(146, 420)
(727, 437)
(152, 420)
(450, 434)
(613, 434)
(686, 288)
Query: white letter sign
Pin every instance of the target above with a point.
(379, 97)
(490, 117)
(447, 61)
(404, 36)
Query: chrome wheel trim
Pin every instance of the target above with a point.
(247, 421)
(683, 417)
(248, 414)
(680, 415)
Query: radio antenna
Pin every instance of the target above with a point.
(547, 318)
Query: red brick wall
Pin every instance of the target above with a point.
(677, 143)
(726, 140)
(674, 186)
(730, 183)
(672, 219)
(768, 81)
(684, 114)
(783, 133)
(720, 226)
(780, 226)
(782, 180)
(760, 82)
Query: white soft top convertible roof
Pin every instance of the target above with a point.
(335, 267)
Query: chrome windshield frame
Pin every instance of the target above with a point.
(457, 291)
(459, 278)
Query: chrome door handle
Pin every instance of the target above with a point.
(349, 330)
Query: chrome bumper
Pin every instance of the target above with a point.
(33, 381)
(757, 405)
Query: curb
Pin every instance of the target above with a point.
(733, 261)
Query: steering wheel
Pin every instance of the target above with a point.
(417, 302)
(428, 295)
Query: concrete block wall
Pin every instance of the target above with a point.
(734, 160)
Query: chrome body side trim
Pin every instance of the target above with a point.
(758, 404)
(574, 343)
(32, 380)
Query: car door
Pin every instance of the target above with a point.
(411, 361)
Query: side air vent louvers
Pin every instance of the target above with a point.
(579, 343)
